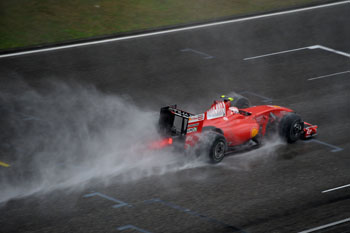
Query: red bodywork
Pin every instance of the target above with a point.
(237, 126)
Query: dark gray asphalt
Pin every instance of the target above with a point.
(281, 192)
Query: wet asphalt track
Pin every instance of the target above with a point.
(282, 194)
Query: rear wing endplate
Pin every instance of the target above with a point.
(169, 125)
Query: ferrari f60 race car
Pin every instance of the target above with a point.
(230, 122)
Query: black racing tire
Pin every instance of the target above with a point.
(291, 127)
(217, 149)
(240, 102)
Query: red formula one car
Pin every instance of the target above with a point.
(230, 122)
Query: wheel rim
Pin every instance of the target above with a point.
(296, 129)
(219, 150)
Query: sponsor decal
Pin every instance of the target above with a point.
(274, 106)
(254, 132)
(193, 125)
(192, 130)
(196, 118)
(218, 110)
(309, 130)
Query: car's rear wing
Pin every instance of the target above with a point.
(173, 121)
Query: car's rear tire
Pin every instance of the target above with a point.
(217, 149)
(291, 127)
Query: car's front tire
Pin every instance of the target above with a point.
(291, 127)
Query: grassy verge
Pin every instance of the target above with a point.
(32, 22)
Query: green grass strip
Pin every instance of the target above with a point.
(33, 22)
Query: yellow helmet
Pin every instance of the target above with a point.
(226, 98)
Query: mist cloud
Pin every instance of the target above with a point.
(69, 135)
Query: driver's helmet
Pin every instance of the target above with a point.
(226, 98)
(234, 109)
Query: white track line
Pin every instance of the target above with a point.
(326, 226)
(329, 50)
(330, 75)
(333, 189)
(298, 49)
(176, 30)
(205, 55)
(272, 54)
(334, 148)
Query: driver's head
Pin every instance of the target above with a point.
(226, 98)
